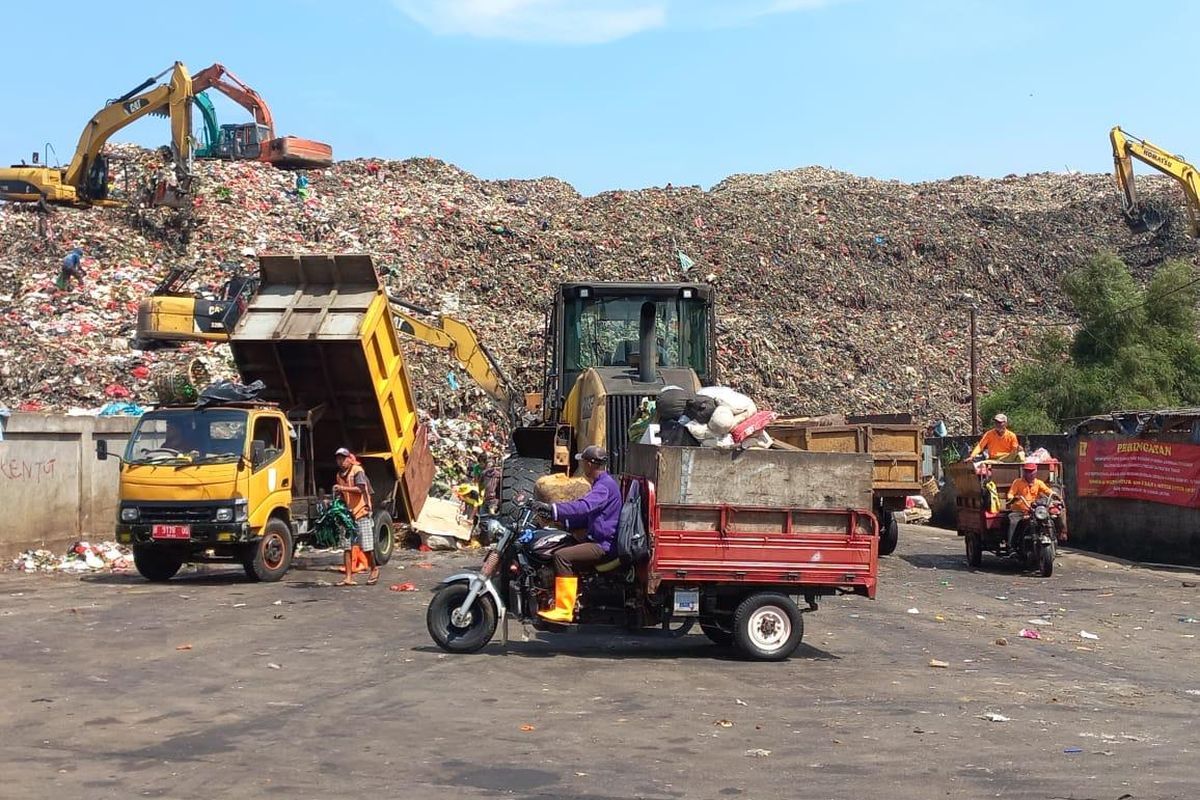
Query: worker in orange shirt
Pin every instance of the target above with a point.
(1023, 493)
(1000, 443)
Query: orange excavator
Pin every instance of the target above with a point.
(255, 140)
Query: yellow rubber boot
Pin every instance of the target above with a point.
(565, 590)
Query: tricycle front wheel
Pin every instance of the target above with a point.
(465, 632)
(974, 550)
(767, 627)
(1046, 560)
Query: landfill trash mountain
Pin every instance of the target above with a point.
(837, 293)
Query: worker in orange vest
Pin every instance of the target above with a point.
(355, 490)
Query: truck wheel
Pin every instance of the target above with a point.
(155, 564)
(974, 550)
(767, 627)
(1046, 561)
(272, 553)
(889, 534)
(385, 537)
(517, 479)
(467, 634)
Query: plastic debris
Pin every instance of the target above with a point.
(913, 611)
(1027, 633)
(1086, 635)
(1002, 642)
(992, 716)
(527, 728)
(183, 647)
(758, 752)
(80, 557)
(933, 662)
(403, 587)
(1072, 750)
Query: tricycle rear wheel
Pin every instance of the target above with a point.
(889, 534)
(767, 626)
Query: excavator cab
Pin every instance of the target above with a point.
(241, 141)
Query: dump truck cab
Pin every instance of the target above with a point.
(609, 346)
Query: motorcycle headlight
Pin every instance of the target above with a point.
(495, 528)
(129, 514)
(224, 515)
(1041, 512)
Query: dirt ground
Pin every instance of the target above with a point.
(214, 687)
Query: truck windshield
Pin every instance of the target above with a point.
(603, 332)
(193, 436)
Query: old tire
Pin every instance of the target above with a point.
(1046, 561)
(156, 564)
(767, 627)
(272, 555)
(517, 479)
(716, 634)
(889, 534)
(974, 550)
(472, 633)
(385, 537)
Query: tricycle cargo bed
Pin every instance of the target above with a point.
(754, 478)
(813, 550)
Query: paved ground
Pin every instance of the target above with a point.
(213, 687)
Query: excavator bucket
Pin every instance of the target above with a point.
(1146, 220)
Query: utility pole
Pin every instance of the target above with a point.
(974, 377)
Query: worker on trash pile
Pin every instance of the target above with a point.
(598, 512)
(355, 490)
(1000, 443)
(72, 267)
(1023, 493)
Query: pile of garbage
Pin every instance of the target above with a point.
(836, 293)
(80, 557)
(715, 416)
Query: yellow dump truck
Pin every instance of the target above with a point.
(895, 447)
(240, 482)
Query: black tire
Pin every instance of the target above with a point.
(767, 627)
(974, 550)
(517, 478)
(272, 554)
(478, 630)
(156, 564)
(1046, 561)
(889, 534)
(716, 635)
(385, 537)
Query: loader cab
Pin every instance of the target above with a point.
(597, 325)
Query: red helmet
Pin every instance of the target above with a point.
(1029, 466)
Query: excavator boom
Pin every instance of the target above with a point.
(257, 140)
(1140, 217)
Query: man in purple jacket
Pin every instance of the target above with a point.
(597, 512)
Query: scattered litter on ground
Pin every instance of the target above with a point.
(1072, 750)
(933, 662)
(740, 701)
(914, 611)
(1038, 621)
(527, 728)
(1027, 633)
(1002, 641)
(403, 587)
(273, 665)
(1086, 635)
(183, 647)
(992, 716)
(758, 752)
(723, 723)
(80, 557)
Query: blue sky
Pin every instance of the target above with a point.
(629, 93)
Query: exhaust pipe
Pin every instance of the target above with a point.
(647, 344)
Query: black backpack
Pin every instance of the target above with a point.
(633, 544)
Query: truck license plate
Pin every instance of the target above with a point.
(171, 532)
(687, 602)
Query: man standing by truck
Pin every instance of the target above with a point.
(355, 490)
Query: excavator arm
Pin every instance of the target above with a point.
(212, 131)
(219, 78)
(1140, 217)
(447, 333)
(174, 97)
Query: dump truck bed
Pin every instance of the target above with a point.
(320, 336)
(794, 520)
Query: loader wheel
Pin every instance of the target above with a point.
(517, 478)
(974, 550)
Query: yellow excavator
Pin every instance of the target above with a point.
(1143, 218)
(170, 316)
(85, 180)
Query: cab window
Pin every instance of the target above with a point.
(269, 432)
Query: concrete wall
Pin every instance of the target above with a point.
(1133, 529)
(53, 491)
